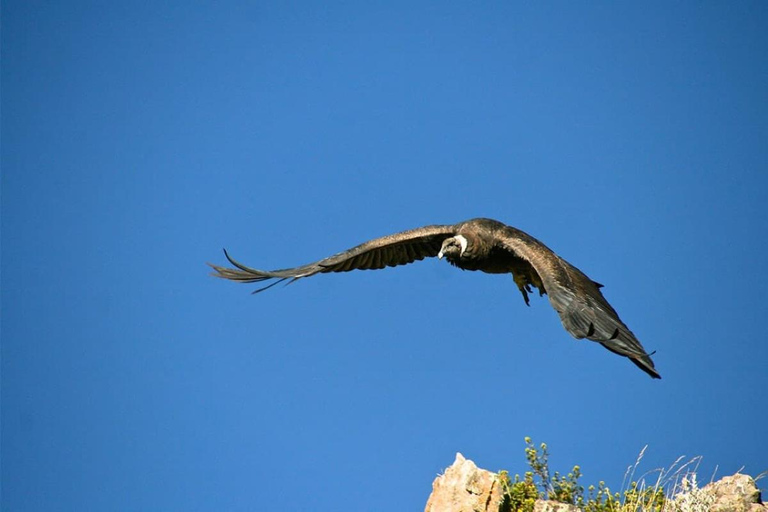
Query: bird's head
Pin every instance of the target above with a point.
(453, 247)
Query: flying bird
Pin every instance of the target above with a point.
(489, 246)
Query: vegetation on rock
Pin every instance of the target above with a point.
(675, 489)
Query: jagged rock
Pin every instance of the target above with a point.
(737, 493)
(465, 488)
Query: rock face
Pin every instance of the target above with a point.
(737, 493)
(466, 488)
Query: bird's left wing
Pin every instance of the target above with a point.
(583, 310)
(388, 251)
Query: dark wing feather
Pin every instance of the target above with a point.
(583, 310)
(388, 251)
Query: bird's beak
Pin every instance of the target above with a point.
(440, 255)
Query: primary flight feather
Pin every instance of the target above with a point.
(492, 247)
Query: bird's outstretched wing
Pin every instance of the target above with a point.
(583, 310)
(388, 251)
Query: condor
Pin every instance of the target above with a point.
(489, 246)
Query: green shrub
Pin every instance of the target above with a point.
(520, 495)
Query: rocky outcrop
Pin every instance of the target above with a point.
(737, 493)
(466, 488)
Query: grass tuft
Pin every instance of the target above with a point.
(672, 489)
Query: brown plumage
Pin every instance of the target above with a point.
(492, 247)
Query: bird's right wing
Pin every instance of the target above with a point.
(388, 251)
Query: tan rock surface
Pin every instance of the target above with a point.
(736, 493)
(465, 488)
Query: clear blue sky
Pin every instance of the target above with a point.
(140, 138)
